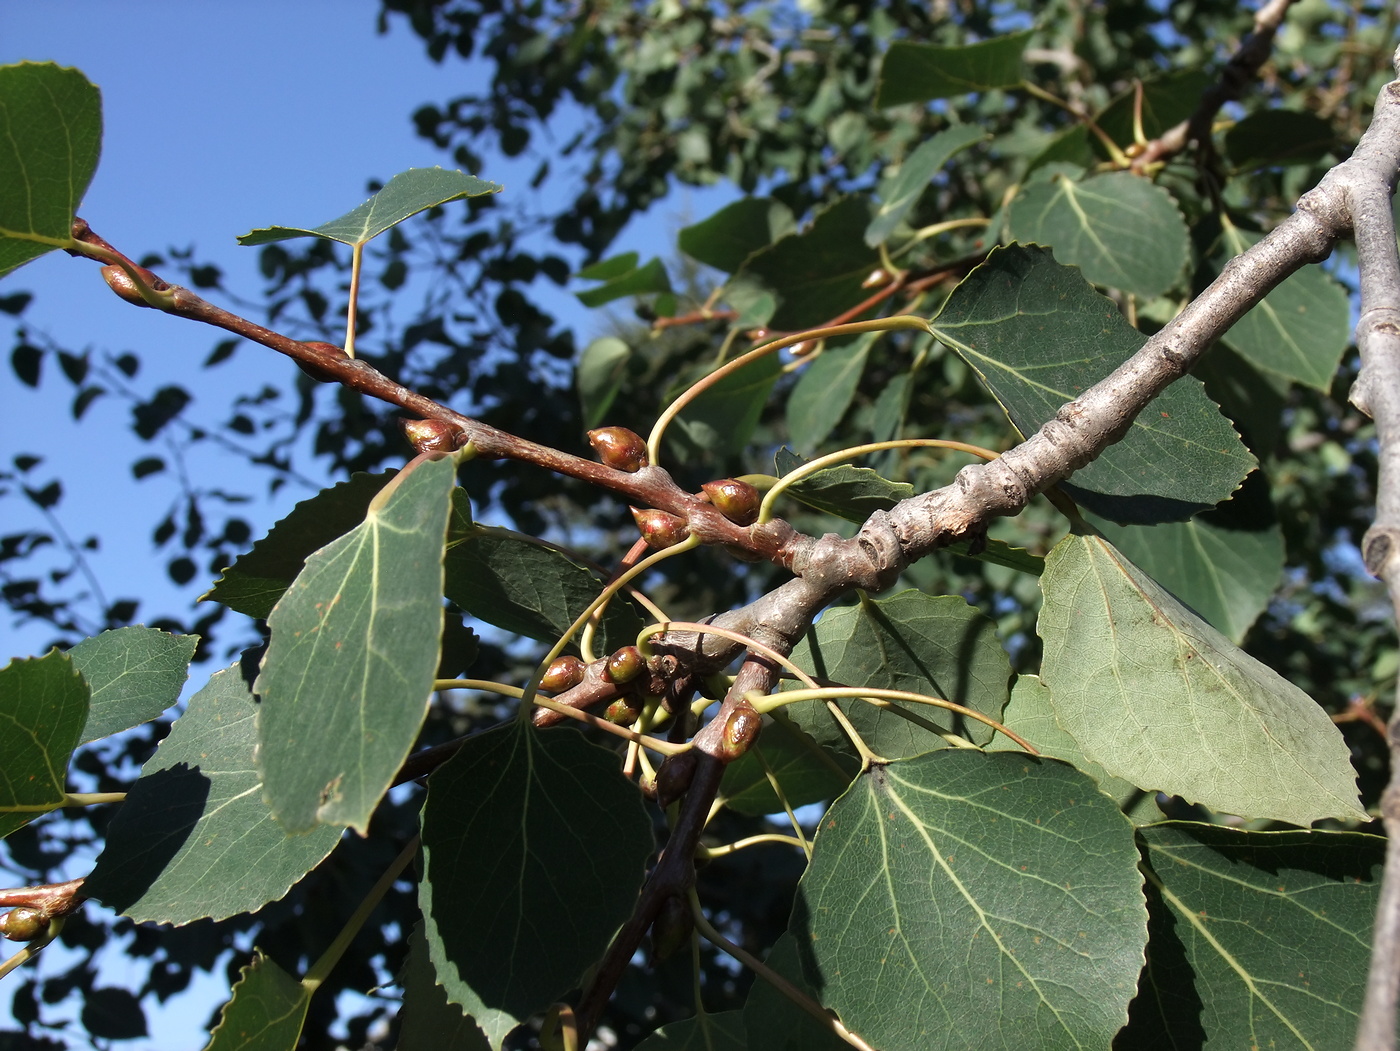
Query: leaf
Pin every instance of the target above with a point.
(934, 645)
(428, 1020)
(723, 1031)
(46, 705)
(824, 392)
(817, 274)
(1120, 229)
(1279, 137)
(1031, 713)
(50, 138)
(1259, 939)
(727, 238)
(647, 278)
(113, 1014)
(134, 673)
(1038, 335)
(807, 772)
(1167, 100)
(852, 493)
(1163, 700)
(915, 174)
(772, 1021)
(349, 669)
(959, 893)
(1000, 553)
(1225, 575)
(266, 1013)
(403, 196)
(599, 376)
(1300, 330)
(721, 420)
(526, 825)
(922, 72)
(194, 838)
(255, 581)
(526, 588)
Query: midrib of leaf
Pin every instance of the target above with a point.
(1068, 190)
(1190, 916)
(961, 888)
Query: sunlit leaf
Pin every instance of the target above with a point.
(194, 838)
(50, 137)
(1038, 335)
(266, 1013)
(915, 173)
(135, 674)
(807, 772)
(45, 707)
(403, 196)
(534, 849)
(824, 391)
(1164, 701)
(960, 893)
(599, 376)
(922, 72)
(428, 1020)
(849, 492)
(349, 669)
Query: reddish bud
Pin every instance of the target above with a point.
(619, 448)
(23, 924)
(624, 711)
(624, 665)
(801, 350)
(673, 777)
(737, 501)
(660, 529)
(432, 436)
(564, 673)
(740, 731)
(877, 277)
(119, 281)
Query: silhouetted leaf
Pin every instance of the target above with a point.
(736, 231)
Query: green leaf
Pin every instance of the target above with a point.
(807, 772)
(721, 420)
(50, 138)
(922, 72)
(255, 581)
(852, 493)
(428, 1020)
(523, 824)
(1225, 575)
(1031, 713)
(46, 705)
(1120, 229)
(610, 268)
(1163, 700)
(727, 238)
(772, 1021)
(266, 1013)
(1167, 100)
(135, 674)
(194, 838)
(723, 1031)
(1038, 335)
(960, 893)
(1279, 137)
(349, 669)
(601, 369)
(526, 588)
(824, 391)
(1300, 330)
(403, 196)
(1000, 553)
(647, 278)
(935, 645)
(915, 173)
(817, 274)
(1259, 939)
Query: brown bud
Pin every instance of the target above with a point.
(564, 673)
(432, 436)
(624, 665)
(660, 529)
(877, 277)
(737, 501)
(647, 783)
(673, 777)
(23, 924)
(801, 350)
(624, 711)
(671, 928)
(619, 448)
(119, 281)
(740, 731)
